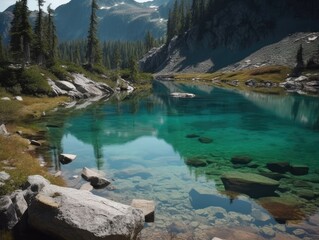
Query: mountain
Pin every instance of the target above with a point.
(233, 31)
(118, 20)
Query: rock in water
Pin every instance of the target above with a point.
(96, 180)
(282, 208)
(147, 206)
(205, 140)
(251, 184)
(279, 167)
(240, 160)
(299, 169)
(74, 214)
(66, 158)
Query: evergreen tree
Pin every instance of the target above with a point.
(15, 33)
(93, 53)
(133, 69)
(116, 58)
(26, 32)
(39, 35)
(51, 38)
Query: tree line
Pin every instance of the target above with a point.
(39, 44)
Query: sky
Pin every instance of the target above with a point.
(4, 4)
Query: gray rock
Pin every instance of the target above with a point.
(86, 187)
(182, 95)
(18, 98)
(3, 130)
(254, 185)
(65, 85)
(74, 214)
(33, 185)
(279, 167)
(19, 203)
(301, 79)
(65, 158)
(4, 176)
(147, 206)
(8, 216)
(96, 180)
(260, 215)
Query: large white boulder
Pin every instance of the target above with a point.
(74, 214)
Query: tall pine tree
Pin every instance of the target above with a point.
(93, 53)
(38, 45)
(51, 38)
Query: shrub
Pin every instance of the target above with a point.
(32, 82)
(60, 72)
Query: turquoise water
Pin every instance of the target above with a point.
(141, 144)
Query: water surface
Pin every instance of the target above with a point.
(142, 143)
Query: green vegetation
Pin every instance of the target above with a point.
(273, 74)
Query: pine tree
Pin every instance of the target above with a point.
(38, 45)
(133, 69)
(51, 38)
(15, 33)
(93, 53)
(26, 32)
(299, 58)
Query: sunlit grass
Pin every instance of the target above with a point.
(274, 74)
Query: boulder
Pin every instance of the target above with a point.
(252, 184)
(33, 185)
(19, 203)
(74, 214)
(3, 130)
(65, 85)
(299, 169)
(241, 160)
(85, 85)
(279, 167)
(96, 180)
(65, 158)
(147, 206)
(8, 216)
(282, 208)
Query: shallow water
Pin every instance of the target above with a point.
(142, 143)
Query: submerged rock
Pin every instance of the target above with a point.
(74, 214)
(192, 135)
(8, 216)
(282, 208)
(279, 167)
(241, 159)
(196, 162)
(251, 184)
(147, 206)
(299, 169)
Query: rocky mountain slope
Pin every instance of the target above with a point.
(118, 20)
(238, 29)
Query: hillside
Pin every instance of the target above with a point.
(118, 20)
(234, 31)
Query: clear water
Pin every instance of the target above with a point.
(141, 143)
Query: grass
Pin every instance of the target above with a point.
(274, 74)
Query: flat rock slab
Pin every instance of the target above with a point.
(252, 184)
(147, 206)
(299, 170)
(65, 158)
(67, 213)
(279, 167)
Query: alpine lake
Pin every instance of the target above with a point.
(176, 151)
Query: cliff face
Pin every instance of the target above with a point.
(235, 30)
